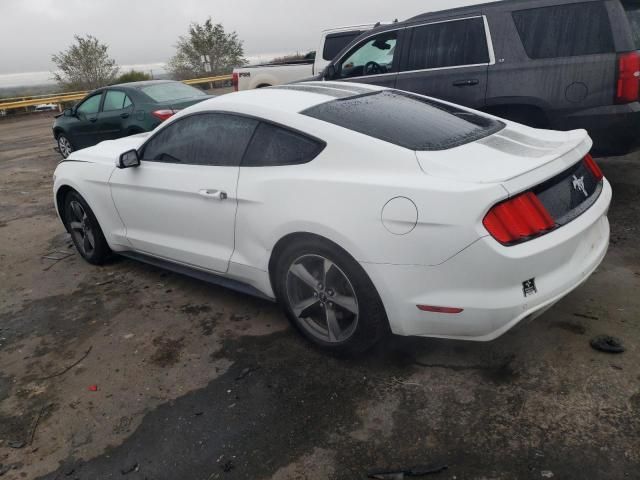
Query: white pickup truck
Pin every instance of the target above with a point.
(331, 42)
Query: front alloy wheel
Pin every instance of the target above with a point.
(81, 229)
(64, 145)
(85, 231)
(322, 298)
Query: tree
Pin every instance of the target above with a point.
(133, 76)
(86, 65)
(223, 52)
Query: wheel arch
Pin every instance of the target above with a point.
(61, 194)
(300, 236)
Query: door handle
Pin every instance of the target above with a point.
(214, 194)
(92, 120)
(466, 83)
(124, 115)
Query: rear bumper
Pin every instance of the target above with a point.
(615, 129)
(486, 280)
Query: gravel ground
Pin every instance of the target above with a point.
(128, 371)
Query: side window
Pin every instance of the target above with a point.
(115, 100)
(127, 102)
(90, 106)
(334, 42)
(565, 30)
(272, 146)
(448, 44)
(214, 139)
(373, 57)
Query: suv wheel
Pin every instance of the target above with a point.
(329, 297)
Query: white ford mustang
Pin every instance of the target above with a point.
(360, 209)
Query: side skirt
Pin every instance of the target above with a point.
(197, 274)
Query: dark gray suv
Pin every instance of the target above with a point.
(560, 64)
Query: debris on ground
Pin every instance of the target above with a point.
(245, 372)
(132, 467)
(56, 256)
(17, 444)
(66, 369)
(399, 474)
(607, 344)
(93, 388)
(4, 469)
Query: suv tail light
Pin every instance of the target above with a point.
(162, 115)
(518, 219)
(628, 83)
(234, 81)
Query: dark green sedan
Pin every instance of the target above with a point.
(121, 110)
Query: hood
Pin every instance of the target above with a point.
(109, 150)
(510, 153)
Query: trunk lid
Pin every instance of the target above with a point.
(516, 156)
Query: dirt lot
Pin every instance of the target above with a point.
(197, 382)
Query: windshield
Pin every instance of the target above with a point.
(166, 92)
(406, 120)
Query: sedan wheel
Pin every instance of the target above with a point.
(328, 296)
(85, 231)
(64, 145)
(322, 298)
(81, 229)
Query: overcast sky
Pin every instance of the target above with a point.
(145, 31)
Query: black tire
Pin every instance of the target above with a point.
(85, 230)
(371, 323)
(65, 147)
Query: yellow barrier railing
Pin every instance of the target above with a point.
(26, 101)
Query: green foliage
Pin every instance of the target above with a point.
(224, 50)
(86, 65)
(133, 76)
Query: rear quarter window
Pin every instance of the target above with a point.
(276, 146)
(565, 30)
(406, 120)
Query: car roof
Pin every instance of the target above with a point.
(291, 98)
(143, 83)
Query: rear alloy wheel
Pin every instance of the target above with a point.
(85, 232)
(65, 146)
(329, 297)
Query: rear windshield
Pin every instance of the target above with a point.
(633, 14)
(166, 92)
(406, 120)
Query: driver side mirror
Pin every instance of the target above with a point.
(68, 112)
(329, 72)
(129, 159)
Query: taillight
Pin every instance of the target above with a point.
(234, 81)
(162, 115)
(628, 83)
(593, 167)
(518, 219)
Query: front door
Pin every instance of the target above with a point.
(374, 60)
(448, 60)
(180, 203)
(84, 131)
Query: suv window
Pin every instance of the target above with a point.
(448, 44)
(373, 57)
(90, 106)
(202, 139)
(272, 146)
(406, 120)
(115, 100)
(565, 30)
(334, 42)
(633, 14)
